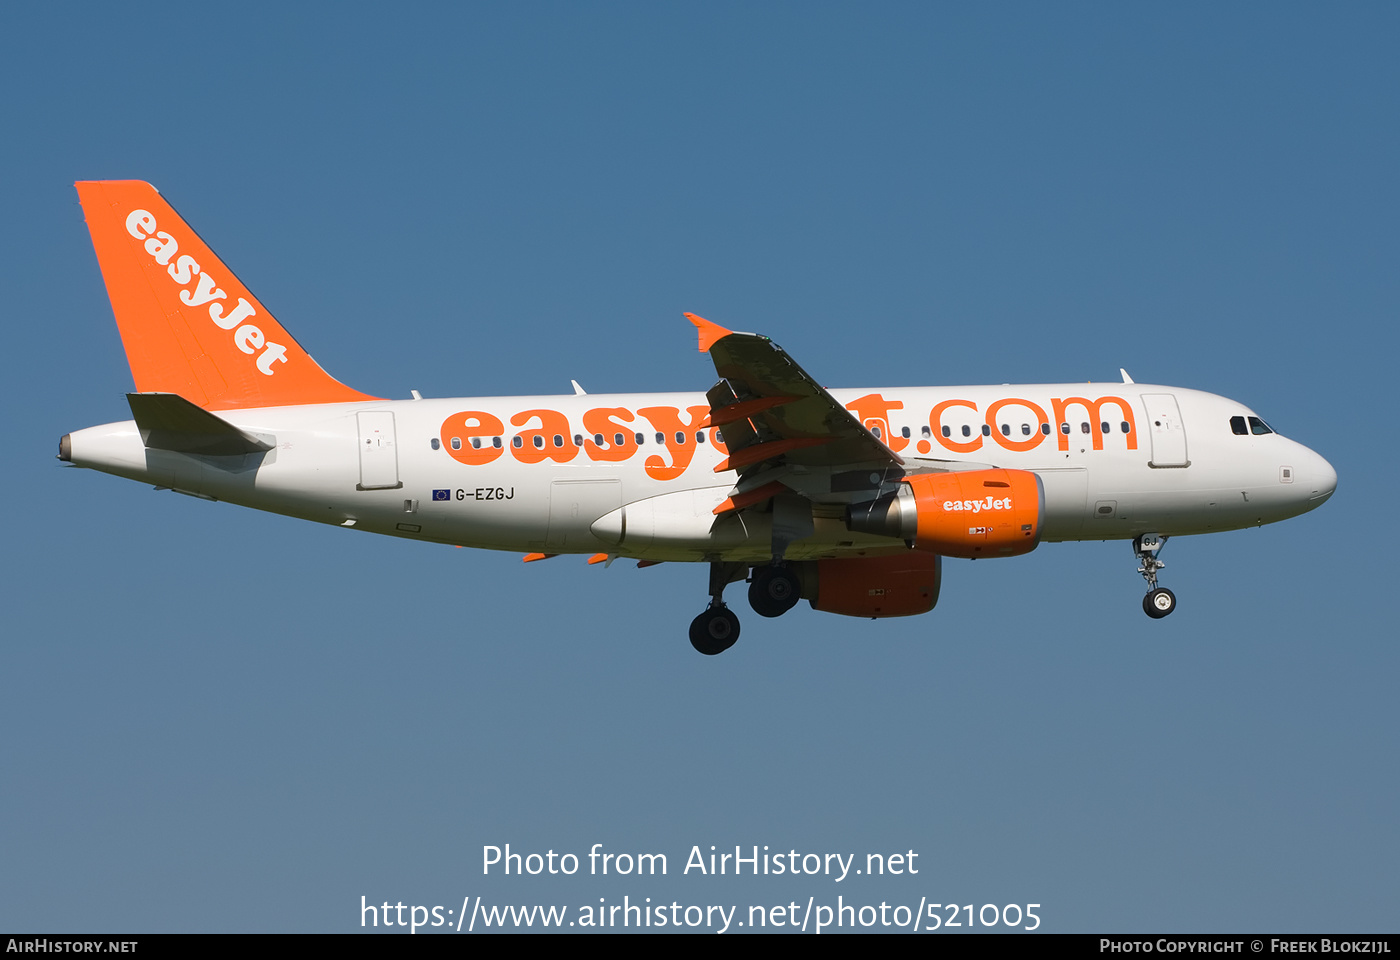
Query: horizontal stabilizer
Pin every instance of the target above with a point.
(168, 421)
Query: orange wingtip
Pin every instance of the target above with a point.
(598, 558)
(709, 332)
(532, 557)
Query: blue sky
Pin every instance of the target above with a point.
(222, 720)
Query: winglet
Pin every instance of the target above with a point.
(1126, 378)
(709, 332)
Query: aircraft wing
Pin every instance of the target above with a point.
(770, 410)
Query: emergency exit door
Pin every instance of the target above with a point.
(379, 456)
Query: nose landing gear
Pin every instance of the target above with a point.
(1158, 603)
(1159, 600)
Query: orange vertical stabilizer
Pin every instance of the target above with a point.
(189, 325)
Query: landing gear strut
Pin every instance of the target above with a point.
(774, 590)
(1159, 600)
(715, 630)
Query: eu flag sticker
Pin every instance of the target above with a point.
(442, 495)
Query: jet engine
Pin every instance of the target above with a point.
(974, 513)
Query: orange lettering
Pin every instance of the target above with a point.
(1092, 408)
(458, 431)
(935, 421)
(668, 423)
(609, 422)
(873, 410)
(552, 424)
(1018, 445)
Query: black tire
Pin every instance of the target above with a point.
(714, 631)
(1158, 603)
(773, 591)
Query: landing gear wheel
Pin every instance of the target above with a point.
(714, 631)
(1158, 603)
(774, 591)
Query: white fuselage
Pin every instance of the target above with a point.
(391, 467)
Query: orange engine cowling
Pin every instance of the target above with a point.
(899, 586)
(975, 513)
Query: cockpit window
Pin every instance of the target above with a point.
(1237, 427)
(1258, 427)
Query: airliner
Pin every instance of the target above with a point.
(849, 499)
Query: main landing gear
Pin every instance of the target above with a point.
(715, 630)
(773, 591)
(1159, 600)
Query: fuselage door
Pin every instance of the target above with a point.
(1167, 429)
(379, 456)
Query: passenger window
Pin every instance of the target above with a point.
(558, 440)
(598, 439)
(1064, 428)
(476, 443)
(1237, 427)
(904, 432)
(699, 436)
(578, 439)
(1126, 428)
(1045, 429)
(456, 443)
(1258, 427)
(1025, 429)
(1006, 429)
(618, 440)
(1084, 428)
(437, 444)
(680, 438)
(986, 430)
(1104, 427)
(496, 442)
(946, 431)
(641, 439)
(967, 431)
(661, 438)
(878, 434)
(539, 442)
(927, 434)
(515, 441)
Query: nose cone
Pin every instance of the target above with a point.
(1315, 479)
(1322, 480)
